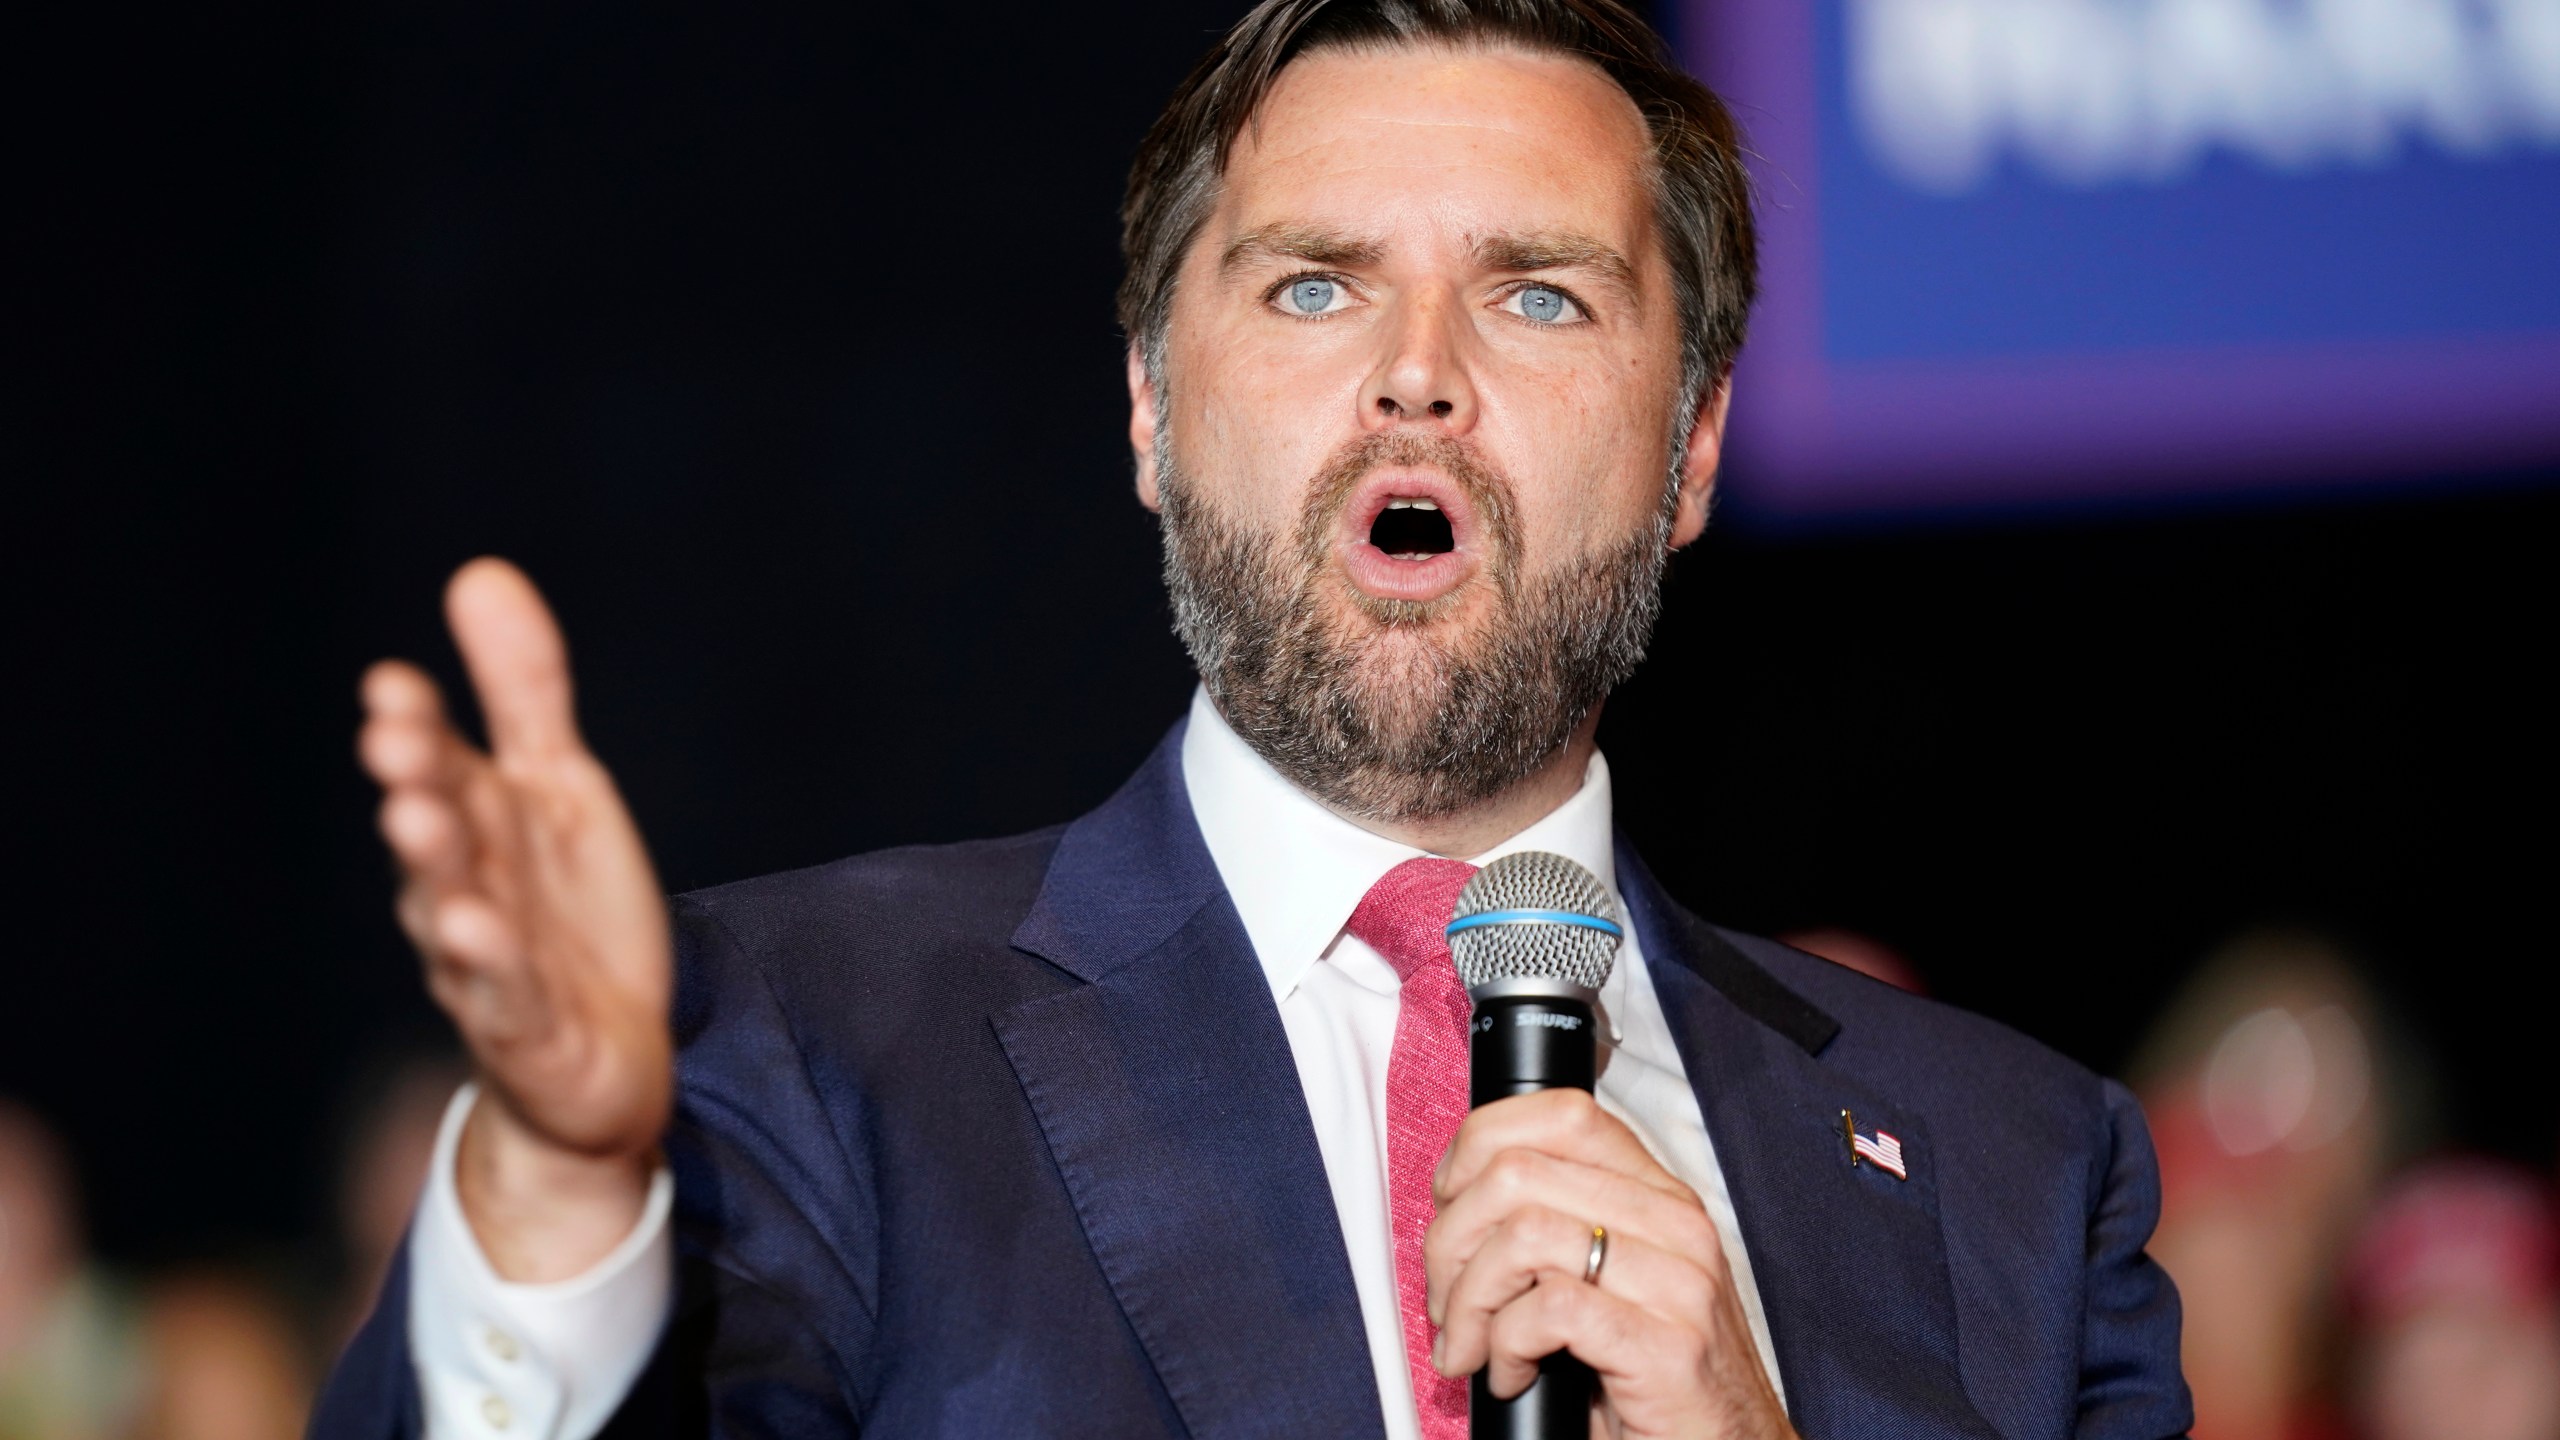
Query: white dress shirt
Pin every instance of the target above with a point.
(498, 1361)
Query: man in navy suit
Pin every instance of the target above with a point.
(1143, 1125)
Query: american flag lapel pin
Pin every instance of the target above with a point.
(1880, 1149)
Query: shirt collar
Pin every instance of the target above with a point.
(1296, 870)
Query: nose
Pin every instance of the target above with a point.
(1422, 372)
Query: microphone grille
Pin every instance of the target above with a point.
(1570, 931)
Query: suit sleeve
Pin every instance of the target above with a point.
(2131, 1387)
(776, 1230)
(771, 1322)
(372, 1392)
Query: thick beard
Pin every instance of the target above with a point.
(1360, 704)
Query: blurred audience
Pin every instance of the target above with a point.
(1863, 953)
(383, 1156)
(71, 1345)
(201, 1352)
(2455, 1311)
(224, 1361)
(2260, 1085)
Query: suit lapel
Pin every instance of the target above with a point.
(1849, 1261)
(1166, 1090)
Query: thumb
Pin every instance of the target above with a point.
(519, 665)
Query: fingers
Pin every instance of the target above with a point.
(426, 771)
(470, 950)
(1538, 1247)
(1561, 1122)
(423, 766)
(476, 971)
(1614, 1336)
(1659, 1375)
(1520, 1191)
(405, 740)
(1521, 1180)
(398, 688)
(519, 664)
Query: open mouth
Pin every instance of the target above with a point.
(1407, 534)
(1412, 529)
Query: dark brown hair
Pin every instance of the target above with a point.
(1702, 204)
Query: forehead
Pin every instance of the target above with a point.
(1470, 140)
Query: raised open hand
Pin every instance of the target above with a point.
(532, 901)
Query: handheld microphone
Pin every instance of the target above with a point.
(1534, 936)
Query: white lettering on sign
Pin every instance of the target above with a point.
(2097, 92)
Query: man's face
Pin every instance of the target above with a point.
(1418, 437)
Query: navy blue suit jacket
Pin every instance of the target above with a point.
(1005, 1139)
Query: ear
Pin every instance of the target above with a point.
(1142, 426)
(1699, 461)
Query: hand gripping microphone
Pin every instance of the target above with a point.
(1533, 936)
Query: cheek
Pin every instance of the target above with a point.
(1587, 449)
(1253, 429)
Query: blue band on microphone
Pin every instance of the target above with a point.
(1536, 917)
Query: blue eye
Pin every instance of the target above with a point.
(1544, 304)
(1312, 297)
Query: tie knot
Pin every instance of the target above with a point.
(1405, 916)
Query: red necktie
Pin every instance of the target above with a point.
(1404, 918)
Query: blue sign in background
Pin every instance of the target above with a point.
(2209, 323)
(2423, 244)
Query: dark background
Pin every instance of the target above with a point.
(777, 344)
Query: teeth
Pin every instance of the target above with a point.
(1425, 505)
(1412, 505)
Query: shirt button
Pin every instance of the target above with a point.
(495, 1411)
(503, 1345)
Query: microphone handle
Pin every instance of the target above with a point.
(1521, 1043)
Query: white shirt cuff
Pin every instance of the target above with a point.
(499, 1360)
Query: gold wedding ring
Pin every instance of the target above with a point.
(1599, 1255)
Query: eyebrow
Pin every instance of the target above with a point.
(1556, 250)
(1537, 250)
(1304, 243)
